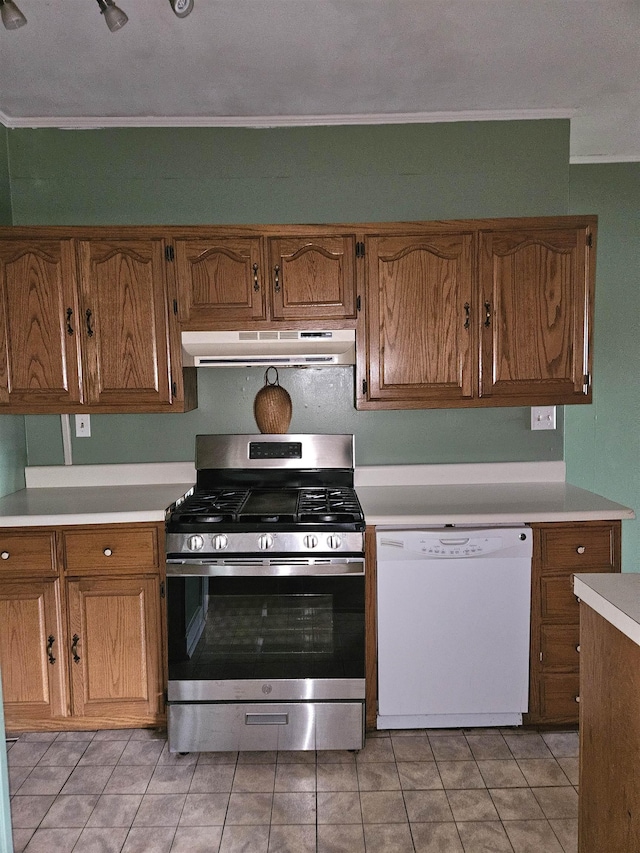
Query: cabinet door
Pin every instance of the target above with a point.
(114, 630)
(32, 653)
(312, 278)
(125, 322)
(536, 288)
(39, 350)
(419, 329)
(221, 282)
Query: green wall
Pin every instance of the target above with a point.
(322, 174)
(602, 441)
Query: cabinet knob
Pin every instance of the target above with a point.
(5, 555)
(578, 648)
(107, 552)
(577, 698)
(580, 549)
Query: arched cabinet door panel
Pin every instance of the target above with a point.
(39, 335)
(220, 279)
(537, 290)
(124, 321)
(419, 308)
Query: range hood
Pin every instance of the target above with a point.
(271, 346)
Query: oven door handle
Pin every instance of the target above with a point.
(266, 568)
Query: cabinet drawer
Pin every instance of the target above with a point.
(559, 698)
(578, 548)
(559, 646)
(106, 549)
(27, 553)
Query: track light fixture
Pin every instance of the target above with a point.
(12, 17)
(115, 17)
(182, 8)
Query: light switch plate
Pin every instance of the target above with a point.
(83, 426)
(543, 417)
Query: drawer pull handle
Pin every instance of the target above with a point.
(107, 552)
(580, 549)
(256, 283)
(50, 641)
(267, 719)
(577, 698)
(74, 648)
(5, 555)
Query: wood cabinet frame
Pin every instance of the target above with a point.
(106, 619)
(87, 322)
(549, 364)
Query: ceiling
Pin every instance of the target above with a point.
(284, 62)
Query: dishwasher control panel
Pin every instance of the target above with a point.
(450, 544)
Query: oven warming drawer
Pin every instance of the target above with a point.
(213, 727)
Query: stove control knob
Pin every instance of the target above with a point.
(265, 541)
(334, 541)
(195, 543)
(310, 541)
(219, 542)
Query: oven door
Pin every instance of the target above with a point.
(256, 630)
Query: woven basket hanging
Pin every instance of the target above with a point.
(272, 407)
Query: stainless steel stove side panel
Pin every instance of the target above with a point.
(232, 451)
(267, 726)
(275, 690)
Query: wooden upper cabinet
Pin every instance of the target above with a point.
(220, 280)
(419, 332)
(312, 278)
(242, 281)
(536, 297)
(124, 314)
(39, 342)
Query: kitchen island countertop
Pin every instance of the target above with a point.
(616, 597)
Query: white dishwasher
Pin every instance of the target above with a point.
(453, 626)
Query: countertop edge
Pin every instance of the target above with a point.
(597, 600)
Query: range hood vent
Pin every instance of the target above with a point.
(272, 346)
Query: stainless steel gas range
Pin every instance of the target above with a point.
(265, 597)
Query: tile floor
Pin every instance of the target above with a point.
(435, 791)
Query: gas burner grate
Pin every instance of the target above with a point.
(214, 505)
(328, 505)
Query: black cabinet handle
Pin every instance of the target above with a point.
(74, 648)
(89, 315)
(50, 641)
(277, 279)
(487, 315)
(467, 309)
(256, 283)
(69, 326)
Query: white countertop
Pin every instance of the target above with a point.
(484, 503)
(89, 504)
(400, 496)
(616, 597)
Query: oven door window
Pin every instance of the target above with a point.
(255, 628)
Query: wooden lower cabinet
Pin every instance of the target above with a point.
(81, 648)
(609, 803)
(560, 551)
(115, 668)
(32, 652)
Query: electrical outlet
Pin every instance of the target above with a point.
(543, 417)
(83, 426)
